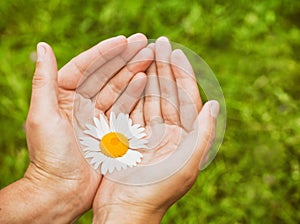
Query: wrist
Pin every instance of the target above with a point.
(56, 199)
(125, 214)
(24, 202)
(48, 203)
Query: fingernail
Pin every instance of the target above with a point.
(41, 51)
(163, 38)
(214, 108)
(151, 46)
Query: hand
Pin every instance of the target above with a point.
(172, 103)
(59, 183)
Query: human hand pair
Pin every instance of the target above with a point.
(61, 178)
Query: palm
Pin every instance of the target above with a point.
(168, 112)
(163, 141)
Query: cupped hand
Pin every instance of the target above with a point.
(175, 120)
(56, 162)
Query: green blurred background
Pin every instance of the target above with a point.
(253, 48)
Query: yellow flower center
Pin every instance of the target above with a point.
(114, 144)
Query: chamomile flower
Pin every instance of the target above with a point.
(113, 145)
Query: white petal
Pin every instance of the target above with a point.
(113, 122)
(93, 154)
(118, 166)
(123, 125)
(97, 159)
(104, 167)
(100, 131)
(86, 149)
(94, 160)
(92, 133)
(135, 130)
(131, 158)
(108, 165)
(129, 122)
(96, 165)
(90, 143)
(92, 130)
(135, 143)
(140, 135)
(104, 125)
(136, 126)
(97, 122)
(111, 167)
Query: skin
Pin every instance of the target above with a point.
(164, 105)
(59, 185)
(57, 169)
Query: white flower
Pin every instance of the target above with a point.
(111, 146)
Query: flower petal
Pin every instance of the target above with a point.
(100, 130)
(104, 167)
(92, 154)
(135, 143)
(97, 122)
(111, 166)
(130, 122)
(135, 130)
(140, 135)
(104, 125)
(113, 122)
(93, 131)
(131, 158)
(90, 143)
(123, 125)
(96, 165)
(118, 166)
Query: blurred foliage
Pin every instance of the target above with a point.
(253, 48)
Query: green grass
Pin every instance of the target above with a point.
(253, 48)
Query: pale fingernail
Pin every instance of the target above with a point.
(41, 51)
(214, 108)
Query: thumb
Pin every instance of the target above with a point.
(44, 98)
(205, 127)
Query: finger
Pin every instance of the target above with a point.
(80, 67)
(108, 95)
(136, 42)
(137, 114)
(129, 98)
(168, 89)
(152, 107)
(95, 82)
(195, 146)
(205, 131)
(44, 99)
(151, 46)
(188, 93)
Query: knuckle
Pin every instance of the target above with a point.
(100, 105)
(39, 81)
(116, 87)
(162, 65)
